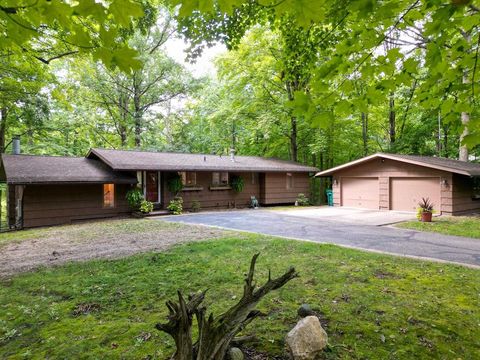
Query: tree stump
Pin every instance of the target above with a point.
(215, 335)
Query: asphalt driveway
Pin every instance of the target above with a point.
(327, 230)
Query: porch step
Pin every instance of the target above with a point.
(153, 213)
(159, 212)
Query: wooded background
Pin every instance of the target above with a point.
(317, 82)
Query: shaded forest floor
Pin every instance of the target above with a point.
(373, 306)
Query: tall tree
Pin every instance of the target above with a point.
(129, 98)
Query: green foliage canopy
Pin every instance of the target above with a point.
(436, 42)
(51, 29)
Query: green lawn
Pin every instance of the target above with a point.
(376, 306)
(460, 226)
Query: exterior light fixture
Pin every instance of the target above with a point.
(444, 182)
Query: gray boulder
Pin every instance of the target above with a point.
(235, 354)
(307, 339)
(305, 310)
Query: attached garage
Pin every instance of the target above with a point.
(399, 182)
(406, 193)
(360, 192)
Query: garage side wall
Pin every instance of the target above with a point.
(386, 170)
(462, 199)
(61, 204)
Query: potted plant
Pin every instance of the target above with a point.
(237, 183)
(425, 210)
(174, 184)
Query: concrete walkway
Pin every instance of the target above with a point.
(369, 237)
(348, 215)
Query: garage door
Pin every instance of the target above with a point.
(406, 193)
(360, 192)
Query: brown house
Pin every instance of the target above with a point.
(50, 190)
(398, 182)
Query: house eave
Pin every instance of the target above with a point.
(330, 172)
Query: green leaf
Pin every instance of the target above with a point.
(304, 11)
(472, 140)
(343, 108)
(126, 59)
(187, 7)
(124, 10)
(89, 8)
(322, 120)
(410, 65)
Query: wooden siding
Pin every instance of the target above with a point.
(276, 192)
(269, 189)
(210, 198)
(61, 204)
(462, 197)
(385, 169)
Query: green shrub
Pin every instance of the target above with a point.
(195, 206)
(302, 200)
(134, 198)
(174, 184)
(146, 206)
(176, 206)
(237, 184)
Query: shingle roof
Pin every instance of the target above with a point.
(33, 169)
(144, 160)
(451, 165)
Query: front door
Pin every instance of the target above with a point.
(152, 186)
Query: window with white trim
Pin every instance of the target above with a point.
(220, 178)
(189, 178)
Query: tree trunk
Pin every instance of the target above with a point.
(137, 110)
(138, 121)
(445, 142)
(293, 139)
(291, 87)
(365, 133)
(465, 118)
(122, 128)
(216, 335)
(463, 150)
(3, 128)
(391, 120)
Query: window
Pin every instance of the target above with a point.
(289, 181)
(220, 178)
(188, 178)
(254, 178)
(108, 195)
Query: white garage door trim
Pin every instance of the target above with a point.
(360, 192)
(407, 192)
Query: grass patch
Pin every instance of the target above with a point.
(459, 226)
(376, 306)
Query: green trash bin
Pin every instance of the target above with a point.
(329, 193)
